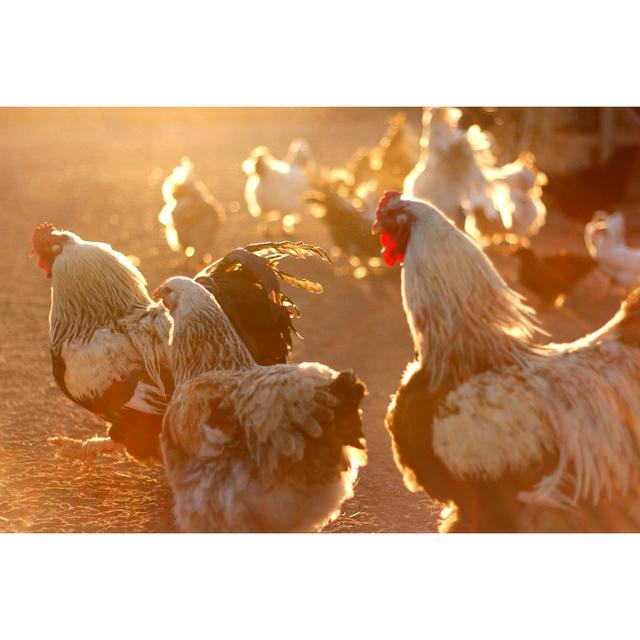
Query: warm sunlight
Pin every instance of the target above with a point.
(212, 330)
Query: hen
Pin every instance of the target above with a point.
(605, 240)
(458, 174)
(505, 433)
(449, 173)
(274, 189)
(109, 339)
(517, 194)
(248, 447)
(191, 215)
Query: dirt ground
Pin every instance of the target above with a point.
(98, 173)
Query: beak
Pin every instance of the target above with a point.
(157, 294)
(33, 253)
(376, 227)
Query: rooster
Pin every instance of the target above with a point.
(274, 189)
(191, 215)
(248, 447)
(605, 240)
(109, 338)
(507, 434)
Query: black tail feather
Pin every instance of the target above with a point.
(350, 391)
(246, 284)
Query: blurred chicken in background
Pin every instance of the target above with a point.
(458, 173)
(517, 193)
(589, 154)
(449, 173)
(349, 222)
(274, 189)
(606, 243)
(191, 215)
(387, 164)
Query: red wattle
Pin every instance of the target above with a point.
(390, 251)
(44, 265)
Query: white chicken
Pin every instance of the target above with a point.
(505, 432)
(191, 216)
(457, 172)
(274, 189)
(249, 447)
(605, 240)
(108, 338)
(517, 194)
(449, 173)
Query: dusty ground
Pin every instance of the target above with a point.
(98, 173)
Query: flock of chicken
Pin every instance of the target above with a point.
(449, 166)
(505, 431)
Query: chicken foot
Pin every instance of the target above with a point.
(84, 450)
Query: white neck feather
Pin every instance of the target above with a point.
(93, 287)
(463, 316)
(204, 339)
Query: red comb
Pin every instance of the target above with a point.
(384, 201)
(42, 232)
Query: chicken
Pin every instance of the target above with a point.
(449, 173)
(248, 447)
(274, 189)
(109, 339)
(552, 278)
(387, 164)
(246, 284)
(605, 240)
(505, 433)
(614, 222)
(349, 221)
(191, 215)
(517, 193)
(458, 173)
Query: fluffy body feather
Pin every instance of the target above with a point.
(191, 215)
(605, 240)
(275, 188)
(252, 448)
(509, 434)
